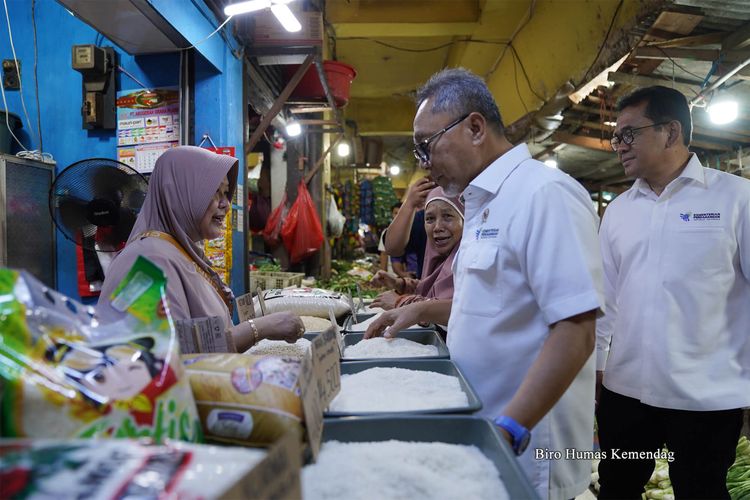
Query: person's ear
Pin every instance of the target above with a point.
(478, 127)
(674, 133)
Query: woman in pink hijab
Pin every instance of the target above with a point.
(189, 195)
(443, 222)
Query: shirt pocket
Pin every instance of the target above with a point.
(697, 252)
(482, 285)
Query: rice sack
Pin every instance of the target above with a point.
(303, 302)
(65, 376)
(245, 399)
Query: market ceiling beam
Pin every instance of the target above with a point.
(402, 30)
(739, 39)
(686, 41)
(582, 141)
(646, 81)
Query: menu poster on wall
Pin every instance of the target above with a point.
(148, 123)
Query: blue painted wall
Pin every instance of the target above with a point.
(218, 109)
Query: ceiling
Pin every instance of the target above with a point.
(556, 68)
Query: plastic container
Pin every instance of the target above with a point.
(425, 337)
(338, 75)
(452, 429)
(274, 279)
(6, 140)
(444, 366)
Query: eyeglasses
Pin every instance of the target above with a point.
(627, 137)
(422, 148)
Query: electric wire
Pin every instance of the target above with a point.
(604, 42)
(18, 69)
(36, 78)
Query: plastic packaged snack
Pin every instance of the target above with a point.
(246, 399)
(66, 376)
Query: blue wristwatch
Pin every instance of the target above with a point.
(520, 434)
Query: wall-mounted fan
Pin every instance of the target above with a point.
(94, 203)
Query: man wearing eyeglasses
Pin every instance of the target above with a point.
(527, 282)
(674, 344)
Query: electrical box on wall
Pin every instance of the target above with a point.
(97, 67)
(11, 70)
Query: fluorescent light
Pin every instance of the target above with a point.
(243, 7)
(286, 17)
(611, 124)
(343, 149)
(551, 163)
(395, 170)
(293, 129)
(723, 112)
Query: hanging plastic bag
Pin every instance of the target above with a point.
(272, 231)
(302, 232)
(336, 220)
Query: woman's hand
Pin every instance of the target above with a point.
(386, 300)
(389, 323)
(384, 279)
(280, 326)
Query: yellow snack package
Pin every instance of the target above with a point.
(63, 375)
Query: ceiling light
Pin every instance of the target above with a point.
(611, 124)
(293, 129)
(723, 111)
(343, 149)
(551, 163)
(243, 7)
(286, 17)
(395, 170)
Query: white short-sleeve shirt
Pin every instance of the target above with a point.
(677, 286)
(529, 257)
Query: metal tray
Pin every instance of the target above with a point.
(444, 366)
(349, 324)
(426, 337)
(452, 429)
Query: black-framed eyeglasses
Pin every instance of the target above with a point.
(422, 148)
(627, 137)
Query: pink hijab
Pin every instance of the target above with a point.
(181, 186)
(437, 276)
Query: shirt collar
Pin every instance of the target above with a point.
(493, 176)
(692, 171)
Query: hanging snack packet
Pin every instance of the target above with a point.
(63, 375)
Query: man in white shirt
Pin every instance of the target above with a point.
(527, 282)
(674, 344)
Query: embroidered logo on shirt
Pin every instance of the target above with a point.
(700, 217)
(707, 216)
(477, 233)
(489, 233)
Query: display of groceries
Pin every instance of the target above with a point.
(65, 376)
(383, 389)
(352, 471)
(381, 347)
(659, 487)
(119, 468)
(362, 326)
(303, 302)
(315, 324)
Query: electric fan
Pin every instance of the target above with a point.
(95, 202)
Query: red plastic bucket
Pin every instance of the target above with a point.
(338, 74)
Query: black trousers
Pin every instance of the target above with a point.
(704, 445)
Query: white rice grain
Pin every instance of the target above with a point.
(398, 389)
(280, 348)
(380, 347)
(401, 470)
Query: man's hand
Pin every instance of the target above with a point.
(599, 379)
(384, 279)
(386, 300)
(391, 322)
(417, 194)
